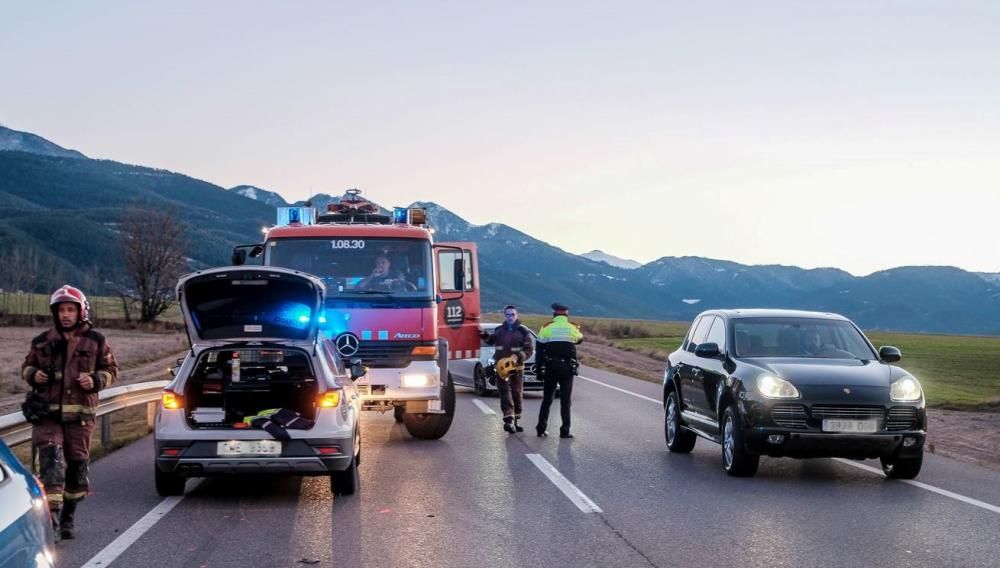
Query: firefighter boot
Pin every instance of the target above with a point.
(66, 520)
(508, 424)
(517, 424)
(54, 517)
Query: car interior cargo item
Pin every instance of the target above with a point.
(208, 415)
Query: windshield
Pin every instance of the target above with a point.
(799, 337)
(353, 268)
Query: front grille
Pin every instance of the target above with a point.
(385, 354)
(529, 368)
(901, 418)
(838, 412)
(789, 415)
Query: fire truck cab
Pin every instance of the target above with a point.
(396, 303)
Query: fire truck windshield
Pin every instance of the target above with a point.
(398, 268)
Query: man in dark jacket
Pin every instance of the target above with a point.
(67, 366)
(511, 339)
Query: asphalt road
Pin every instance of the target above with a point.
(480, 497)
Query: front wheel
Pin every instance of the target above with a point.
(479, 380)
(169, 484)
(679, 440)
(735, 459)
(426, 426)
(902, 468)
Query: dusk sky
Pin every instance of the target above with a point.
(861, 135)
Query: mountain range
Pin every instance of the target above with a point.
(67, 207)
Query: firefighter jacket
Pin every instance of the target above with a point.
(559, 337)
(510, 340)
(64, 359)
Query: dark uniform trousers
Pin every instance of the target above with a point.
(63, 458)
(511, 394)
(563, 377)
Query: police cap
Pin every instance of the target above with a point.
(559, 309)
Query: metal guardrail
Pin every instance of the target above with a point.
(15, 430)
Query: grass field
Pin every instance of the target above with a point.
(106, 307)
(960, 372)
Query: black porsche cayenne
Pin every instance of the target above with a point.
(794, 384)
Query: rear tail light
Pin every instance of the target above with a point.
(428, 350)
(328, 450)
(329, 399)
(172, 400)
(171, 452)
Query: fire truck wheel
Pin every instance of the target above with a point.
(397, 413)
(433, 426)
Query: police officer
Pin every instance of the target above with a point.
(557, 342)
(511, 339)
(67, 366)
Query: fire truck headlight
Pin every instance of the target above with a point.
(417, 380)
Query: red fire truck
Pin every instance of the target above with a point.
(397, 303)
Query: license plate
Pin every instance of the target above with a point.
(859, 426)
(249, 448)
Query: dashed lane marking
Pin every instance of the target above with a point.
(128, 538)
(482, 406)
(578, 498)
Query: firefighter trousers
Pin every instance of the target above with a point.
(511, 394)
(63, 450)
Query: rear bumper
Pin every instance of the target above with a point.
(198, 458)
(798, 444)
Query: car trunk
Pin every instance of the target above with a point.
(231, 384)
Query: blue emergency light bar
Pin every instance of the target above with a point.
(296, 215)
(400, 215)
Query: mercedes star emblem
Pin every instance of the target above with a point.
(347, 344)
(847, 391)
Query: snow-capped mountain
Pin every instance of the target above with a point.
(257, 194)
(16, 141)
(601, 256)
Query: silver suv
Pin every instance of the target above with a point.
(258, 392)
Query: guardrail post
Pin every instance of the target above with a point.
(105, 430)
(150, 415)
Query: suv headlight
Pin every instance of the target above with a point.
(776, 387)
(905, 389)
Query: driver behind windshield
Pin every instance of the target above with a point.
(383, 277)
(813, 343)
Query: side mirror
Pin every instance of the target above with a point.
(239, 257)
(889, 354)
(707, 350)
(177, 365)
(459, 283)
(357, 369)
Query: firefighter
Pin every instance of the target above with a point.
(557, 364)
(512, 340)
(66, 367)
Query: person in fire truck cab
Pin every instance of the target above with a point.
(383, 277)
(66, 367)
(513, 347)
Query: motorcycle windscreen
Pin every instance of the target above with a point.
(251, 304)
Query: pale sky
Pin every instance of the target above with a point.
(861, 135)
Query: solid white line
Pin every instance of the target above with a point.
(128, 538)
(931, 488)
(482, 406)
(581, 501)
(650, 399)
(852, 463)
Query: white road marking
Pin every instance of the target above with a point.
(128, 538)
(482, 406)
(852, 463)
(931, 488)
(643, 397)
(581, 501)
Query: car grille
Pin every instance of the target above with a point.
(393, 354)
(901, 418)
(789, 415)
(529, 368)
(838, 412)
